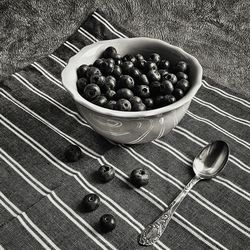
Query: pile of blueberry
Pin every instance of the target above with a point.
(139, 177)
(132, 82)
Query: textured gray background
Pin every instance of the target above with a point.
(216, 32)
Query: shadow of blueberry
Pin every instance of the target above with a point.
(97, 227)
(95, 178)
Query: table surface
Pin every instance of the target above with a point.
(41, 193)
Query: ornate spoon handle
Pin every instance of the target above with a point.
(153, 231)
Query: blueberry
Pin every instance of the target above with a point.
(126, 67)
(91, 91)
(139, 57)
(164, 64)
(101, 81)
(159, 101)
(123, 105)
(107, 67)
(143, 91)
(153, 75)
(109, 52)
(81, 71)
(135, 73)
(150, 66)
(178, 93)
(110, 82)
(110, 93)
(169, 99)
(92, 71)
(90, 202)
(183, 84)
(130, 58)
(100, 100)
(126, 81)
(95, 78)
(139, 177)
(106, 173)
(181, 66)
(149, 102)
(107, 223)
(143, 80)
(166, 87)
(81, 84)
(118, 62)
(135, 99)
(181, 75)
(163, 72)
(117, 71)
(110, 60)
(117, 57)
(155, 88)
(138, 107)
(72, 153)
(124, 93)
(141, 64)
(154, 57)
(170, 77)
(98, 63)
(111, 104)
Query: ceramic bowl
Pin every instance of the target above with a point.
(132, 127)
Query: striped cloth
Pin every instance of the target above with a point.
(40, 193)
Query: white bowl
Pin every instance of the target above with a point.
(140, 126)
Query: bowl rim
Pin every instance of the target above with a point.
(72, 89)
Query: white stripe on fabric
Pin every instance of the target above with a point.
(88, 151)
(222, 130)
(39, 68)
(92, 40)
(63, 167)
(71, 46)
(189, 163)
(86, 33)
(58, 60)
(51, 243)
(1, 247)
(221, 112)
(225, 94)
(54, 79)
(19, 169)
(107, 24)
(206, 203)
(7, 206)
(202, 233)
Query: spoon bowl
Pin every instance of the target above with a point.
(211, 160)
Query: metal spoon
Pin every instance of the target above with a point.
(206, 165)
